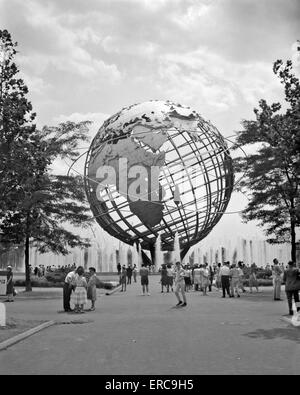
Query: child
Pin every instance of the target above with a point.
(92, 288)
(79, 296)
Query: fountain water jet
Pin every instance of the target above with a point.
(159, 257)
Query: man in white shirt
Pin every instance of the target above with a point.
(68, 290)
(225, 279)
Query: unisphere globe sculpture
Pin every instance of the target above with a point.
(158, 168)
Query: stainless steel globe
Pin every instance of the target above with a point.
(158, 168)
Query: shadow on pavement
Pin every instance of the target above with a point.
(291, 333)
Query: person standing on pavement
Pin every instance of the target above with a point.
(277, 279)
(92, 288)
(235, 274)
(163, 278)
(291, 279)
(79, 296)
(9, 285)
(225, 279)
(68, 288)
(197, 278)
(211, 277)
(253, 278)
(123, 278)
(144, 273)
(180, 284)
(218, 276)
(204, 279)
(187, 278)
(119, 268)
(170, 277)
(242, 276)
(129, 274)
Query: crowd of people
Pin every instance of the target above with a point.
(180, 279)
(228, 277)
(42, 270)
(230, 280)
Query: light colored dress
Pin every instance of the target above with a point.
(197, 276)
(236, 274)
(79, 296)
(204, 278)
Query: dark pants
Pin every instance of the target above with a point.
(225, 281)
(129, 280)
(67, 297)
(290, 295)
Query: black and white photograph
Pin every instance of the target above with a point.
(150, 190)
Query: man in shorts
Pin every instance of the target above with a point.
(144, 273)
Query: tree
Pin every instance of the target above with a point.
(36, 205)
(16, 123)
(272, 174)
(47, 204)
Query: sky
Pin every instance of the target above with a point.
(87, 59)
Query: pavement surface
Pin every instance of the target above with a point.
(131, 334)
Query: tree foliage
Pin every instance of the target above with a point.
(17, 130)
(271, 174)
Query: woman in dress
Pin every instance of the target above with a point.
(79, 296)
(9, 285)
(204, 279)
(92, 288)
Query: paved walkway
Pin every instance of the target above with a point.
(132, 334)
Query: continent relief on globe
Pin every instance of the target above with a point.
(149, 207)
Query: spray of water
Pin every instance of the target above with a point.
(159, 259)
(176, 255)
